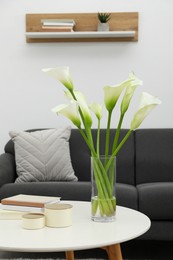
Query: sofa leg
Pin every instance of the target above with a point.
(69, 255)
(114, 252)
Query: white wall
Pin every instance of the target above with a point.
(27, 95)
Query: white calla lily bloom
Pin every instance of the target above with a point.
(70, 111)
(112, 93)
(147, 103)
(81, 100)
(62, 74)
(97, 109)
(82, 104)
(130, 89)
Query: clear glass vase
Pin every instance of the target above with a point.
(103, 180)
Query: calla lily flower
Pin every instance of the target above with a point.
(82, 104)
(97, 109)
(130, 89)
(70, 111)
(62, 74)
(81, 100)
(147, 103)
(112, 93)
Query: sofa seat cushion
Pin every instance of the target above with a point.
(155, 200)
(43, 155)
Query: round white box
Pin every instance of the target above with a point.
(58, 215)
(33, 221)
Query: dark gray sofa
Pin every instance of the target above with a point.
(144, 176)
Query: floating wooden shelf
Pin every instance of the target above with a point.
(123, 27)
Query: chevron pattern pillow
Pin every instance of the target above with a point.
(43, 155)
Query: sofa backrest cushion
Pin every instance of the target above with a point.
(154, 155)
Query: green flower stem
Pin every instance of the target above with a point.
(98, 139)
(106, 205)
(115, 143)
(106, 208)
(112, 175)
(87, 142)
(104, 176)
(103, 184)
(98, 174)
(101, 208)
(87, 128)
(108, 135)
(89, 134)
(117, 134)
(94, 207)
(118, 148)
(80, 111)
(104, 192)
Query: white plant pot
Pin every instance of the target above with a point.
(103, 27)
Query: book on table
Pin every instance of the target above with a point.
(11, 214)
(29, 200)
(21, 208)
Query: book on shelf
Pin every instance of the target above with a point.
(59, 24)
(56, 29)
(63, 22)
(29, 200)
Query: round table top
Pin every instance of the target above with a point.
(83, 234)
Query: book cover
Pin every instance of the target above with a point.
(29, 200)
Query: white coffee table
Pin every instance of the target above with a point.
(83, 234)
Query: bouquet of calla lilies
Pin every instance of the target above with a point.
(78, 111)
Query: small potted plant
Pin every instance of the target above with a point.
(103, 21)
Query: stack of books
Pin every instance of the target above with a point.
(58, 25)
(14, 207)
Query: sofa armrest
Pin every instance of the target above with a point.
(7, 169)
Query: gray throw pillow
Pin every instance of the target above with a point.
(43, 155)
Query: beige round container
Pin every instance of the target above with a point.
(33, 221)
(58, 215)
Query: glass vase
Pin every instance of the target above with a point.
(103, 180)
